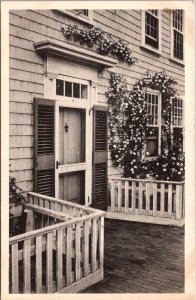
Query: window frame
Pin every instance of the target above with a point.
(144, 45)
(180, 126)
(159, 121)
(83, 18)
(172, 28)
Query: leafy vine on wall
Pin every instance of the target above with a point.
(106, 43)
(128, 124)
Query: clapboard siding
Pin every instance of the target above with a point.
(27, 70)
(17, 153)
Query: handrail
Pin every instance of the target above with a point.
(50, 228)
(74, 205)
(147, 180)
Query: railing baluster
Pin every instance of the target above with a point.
(15, 281)
(94, 245)
(162, 199)
(126, 196)
(101, 242)
(49, 263)
(154, 199)
(78, 258)
(140, 196)
(68, 256)
(178, 202)
(170, 200)
(59, 260)
(148, 185)
(112, 195)
(86, 248)
(119, 196)
(133, 195)
(38, 266)
(27, 265)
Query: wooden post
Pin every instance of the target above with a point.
(178, 201)
(170, 186)
(59, 260)
(140, 197)
(147, 198)
(94, 245)
(27, 265)
(119, 196)
(133, 195)
(30, 220)
(15, 268)
(112, 196)
(126, 196)
(38, 267)
(162, 208)
(77, 239)
(49, 263)
(154, 199)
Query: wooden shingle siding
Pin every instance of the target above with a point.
(27, 70)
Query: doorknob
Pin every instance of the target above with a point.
(57, 164)
(66, 127)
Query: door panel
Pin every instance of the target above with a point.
(71, 154)
(71, 187)
(71, 136)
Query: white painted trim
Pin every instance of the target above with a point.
(82, 18)
(143, 44)
(77, 54)
(144, 219)
(72, 168)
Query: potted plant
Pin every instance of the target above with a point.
(16, 207)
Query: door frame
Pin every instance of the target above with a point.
(80, 104)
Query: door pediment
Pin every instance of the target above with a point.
(74, 53)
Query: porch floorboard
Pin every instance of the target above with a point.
(142, 258)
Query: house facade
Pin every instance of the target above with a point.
(58, 94)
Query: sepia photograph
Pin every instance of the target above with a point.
(94, 148)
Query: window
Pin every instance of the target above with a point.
(177, 121)
(177, 28)
(71, 89)
(153, 133)
(177, 114)
(151, 29)
(83, 15)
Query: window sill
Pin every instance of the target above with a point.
(82, 19)
(177, 61)
(151, 50)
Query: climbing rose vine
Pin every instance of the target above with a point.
(128, 124)
(106, 43)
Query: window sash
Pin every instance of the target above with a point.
(152, 29)
(177, 113)
(177, 36)
(153, 101)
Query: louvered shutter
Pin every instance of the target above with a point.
(44, 163)
(100, 154)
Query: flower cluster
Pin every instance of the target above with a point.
(128, 123)
(106, 43)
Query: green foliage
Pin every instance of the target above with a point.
(128, 127)
(106, 43)
(15, 193)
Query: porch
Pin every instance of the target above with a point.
(142, 258)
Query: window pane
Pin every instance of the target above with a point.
(84, 91)
(59, 87)
(152, 142)
(68, 89)
(76, 90)
(151, 30)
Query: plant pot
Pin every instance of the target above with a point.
(16, 210)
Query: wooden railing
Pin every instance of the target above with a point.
(147, 200)
(65, 256)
